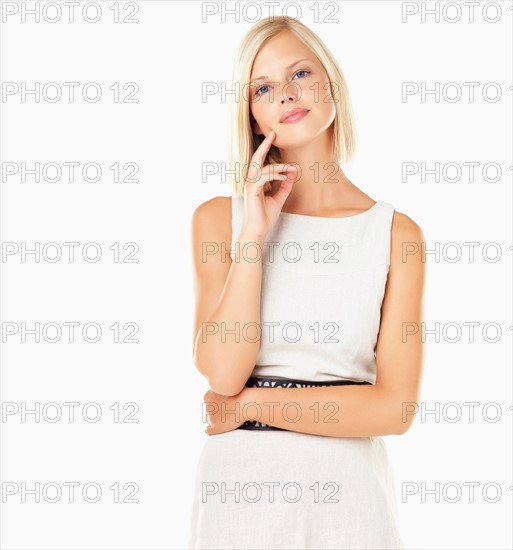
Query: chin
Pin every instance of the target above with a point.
(299, 139)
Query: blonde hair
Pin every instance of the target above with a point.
(243, 142)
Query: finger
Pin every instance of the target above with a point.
(283, 192)
(257, 176)
(272, 170)
(269, 172)
(282, 166)
(263, 148)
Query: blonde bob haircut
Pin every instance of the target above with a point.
(243, 141)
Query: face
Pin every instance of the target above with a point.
(286, 75)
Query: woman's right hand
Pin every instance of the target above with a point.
(261, 211)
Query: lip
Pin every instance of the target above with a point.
(293, 115)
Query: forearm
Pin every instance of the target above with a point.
(228, 341)
(335, 411)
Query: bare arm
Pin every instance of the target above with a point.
(227, 330)
(228, 296)
(385, 408)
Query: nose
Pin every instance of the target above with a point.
(289, 93)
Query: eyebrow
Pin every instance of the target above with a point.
(288, 67)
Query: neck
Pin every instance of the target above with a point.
(322, 185)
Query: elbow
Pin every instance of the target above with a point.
(224, 387)
(221, 379)
(218, 381)
(399, 412)
(403, 424)
(400, 428)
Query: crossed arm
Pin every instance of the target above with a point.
(389, 406)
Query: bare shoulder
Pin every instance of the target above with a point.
(212, 221)
(405, 229)
(407, 253)
(217, 210)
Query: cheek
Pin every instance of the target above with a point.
(262, 112)
(318, 91)
(313, 95)
(331, 93)
(260, 107)
(325, 97)
(256, 110)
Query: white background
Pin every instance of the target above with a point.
(170, 53)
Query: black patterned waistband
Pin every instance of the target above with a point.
(278, 382)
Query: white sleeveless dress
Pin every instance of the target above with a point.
(323, 282)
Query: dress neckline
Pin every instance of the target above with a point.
(292, 215)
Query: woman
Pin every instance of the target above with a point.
(307, 318)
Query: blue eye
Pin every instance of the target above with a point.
(307, 72)
(262, 87)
